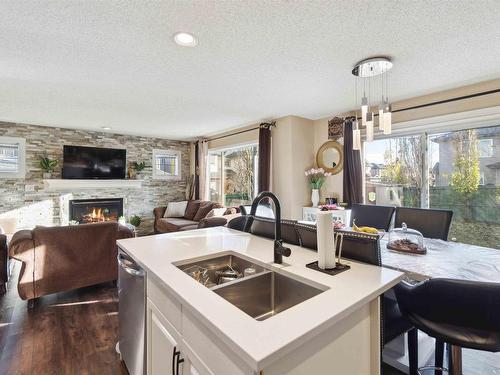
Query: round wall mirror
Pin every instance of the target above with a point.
(330, 157)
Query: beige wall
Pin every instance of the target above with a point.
(292, 153)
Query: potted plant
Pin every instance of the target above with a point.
(316, 180)
(136, 168)
(47, 165)
(135, 220)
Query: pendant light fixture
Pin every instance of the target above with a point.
(364, 105)
(387, 120)
(369, 126)
(366, 69)
(369, 115)
(381, 108)
(356, 135)
(356, 132)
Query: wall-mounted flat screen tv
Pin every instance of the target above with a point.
(93, 163)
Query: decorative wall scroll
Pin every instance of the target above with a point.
(335, 128)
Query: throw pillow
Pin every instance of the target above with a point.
(216, 212)
(176, 209)
(205, 208)
(231, 211)
(192, 209)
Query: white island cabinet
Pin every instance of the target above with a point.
(190, 330)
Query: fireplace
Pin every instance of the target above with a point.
(86, 211)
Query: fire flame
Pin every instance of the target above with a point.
(97, 215)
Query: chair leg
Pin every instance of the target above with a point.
(413, 350)
(438, 356)
(455, 360)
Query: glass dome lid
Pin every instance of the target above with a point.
(406, 240)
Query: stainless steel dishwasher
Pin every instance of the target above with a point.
(131, 312)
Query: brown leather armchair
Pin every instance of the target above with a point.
(4, 258)
(56, 259)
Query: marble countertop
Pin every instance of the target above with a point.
(276, 336)
(447, 259)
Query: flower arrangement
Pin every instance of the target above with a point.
(316, 177)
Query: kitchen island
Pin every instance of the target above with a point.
(191, 329)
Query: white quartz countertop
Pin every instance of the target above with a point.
(258, 343)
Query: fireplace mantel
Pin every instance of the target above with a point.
(62, 184)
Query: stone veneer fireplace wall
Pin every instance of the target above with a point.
(44, 207)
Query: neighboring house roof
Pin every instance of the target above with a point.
(375, 165)
(480, 134)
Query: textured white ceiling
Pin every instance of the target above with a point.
(88, 64)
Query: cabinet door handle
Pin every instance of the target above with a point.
(179, 361)
(176, 361)
(174, 356)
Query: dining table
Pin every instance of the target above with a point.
(447, 259)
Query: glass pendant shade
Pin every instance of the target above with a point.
(381, 122)
(364, 110)
(369, 127)
(388, 119)
(356, 136)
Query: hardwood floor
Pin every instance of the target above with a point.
(66, 333)
(75, 333)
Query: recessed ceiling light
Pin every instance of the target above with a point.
(105, 128)
(185, 39)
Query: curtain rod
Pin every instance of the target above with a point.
(482, 93)
(231, 134)
(264, 124)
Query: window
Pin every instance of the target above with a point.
(393, 171)
(232, 175)
(166, 164)
(12, 157)
(485, 148)
(455, 170)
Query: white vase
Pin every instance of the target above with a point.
(315, 197)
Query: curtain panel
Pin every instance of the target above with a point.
(353, 177)
(201, 160)
(264, 157)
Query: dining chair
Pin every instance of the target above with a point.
(432, 223)
(307, 235)
(238, 223)
(365, 248)
(263, 210)
(371, 216)
(460, 313)
(265, 227)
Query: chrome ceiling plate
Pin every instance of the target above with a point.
(372, 67)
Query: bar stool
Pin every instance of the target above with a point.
(460, 313)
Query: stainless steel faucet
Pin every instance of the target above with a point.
(279, 249)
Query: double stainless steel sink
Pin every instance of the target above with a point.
(263, 294)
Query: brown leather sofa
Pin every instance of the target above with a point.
(4, 258)
(194, 217)
(56, 259)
